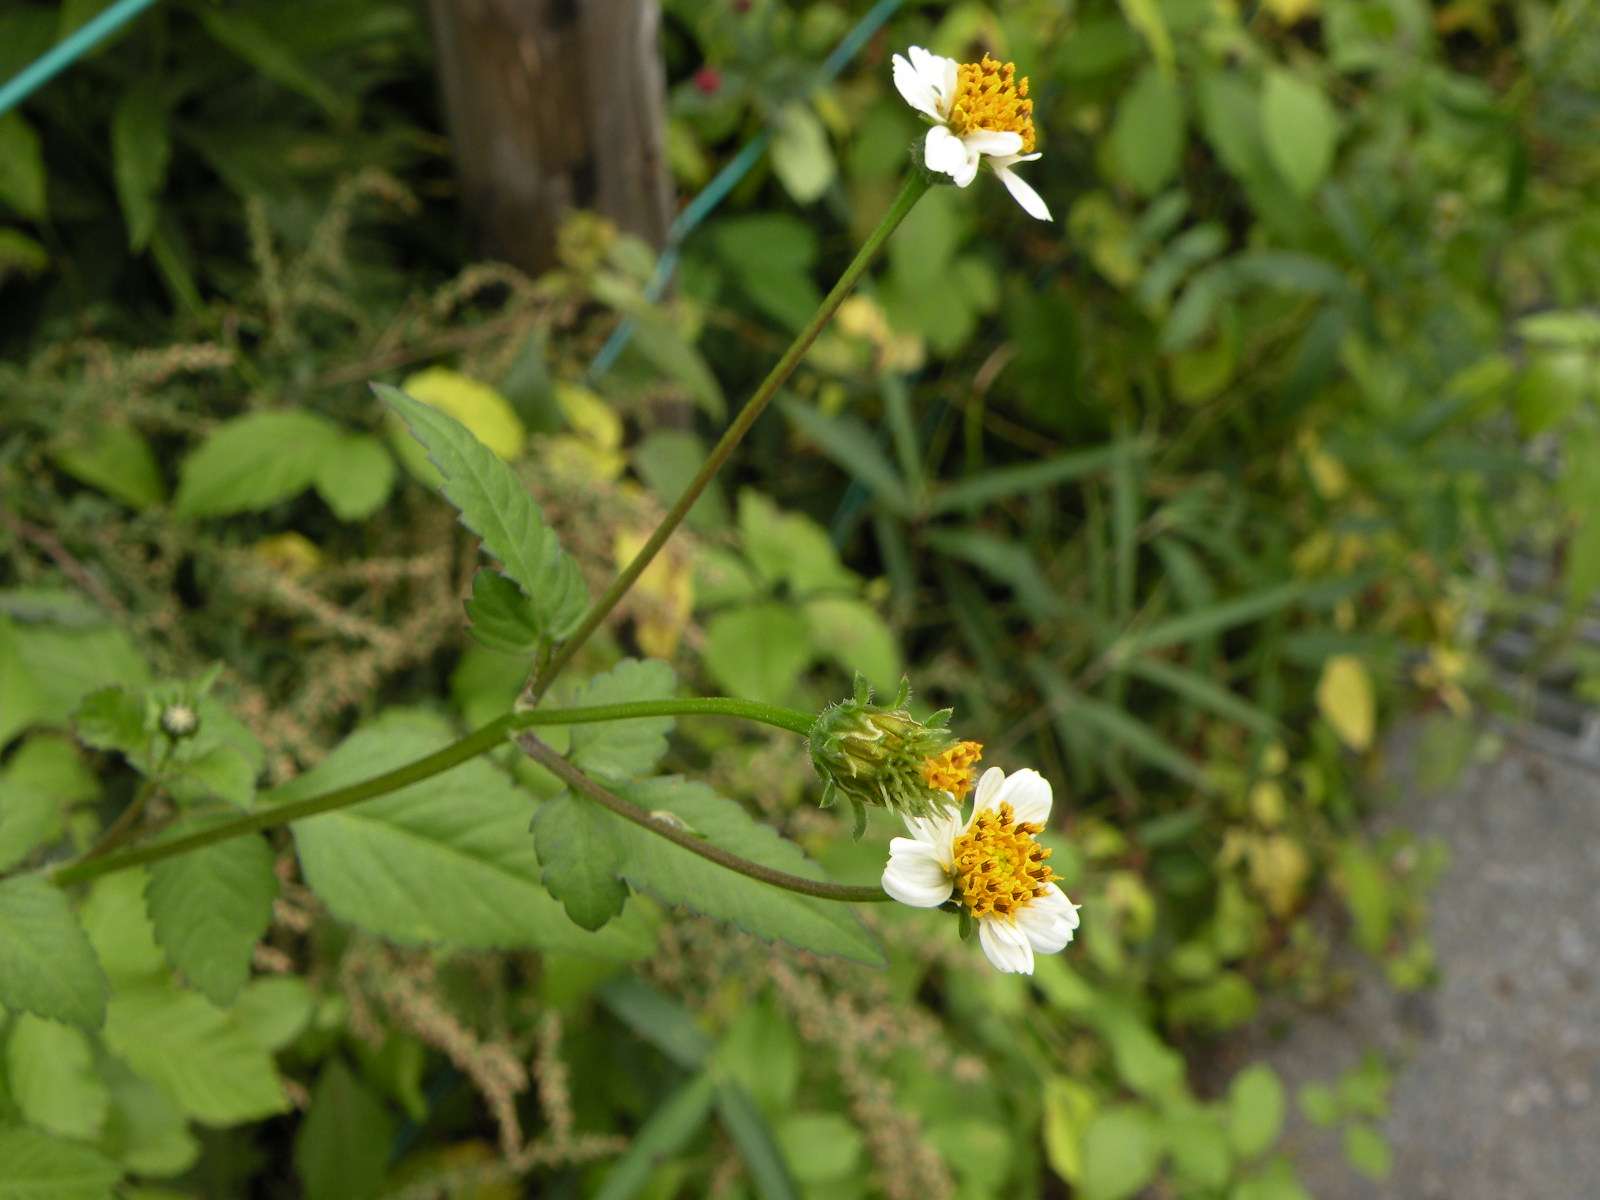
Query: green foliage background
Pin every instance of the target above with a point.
(1181, 499)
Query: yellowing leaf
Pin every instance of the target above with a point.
(291, 553)
(662, 599)
(591, 418)
(1278, 870)
(1344, 696)
(1288, 12)
(484, 411)
(1267, 803)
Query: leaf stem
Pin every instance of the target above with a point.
(916, 184)
(626, 809)
(98, 861)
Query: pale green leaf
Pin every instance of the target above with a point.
(854, 635)
(117, 926)
(1299, 129)
(618, 751)
(37, 1166)
(341, 1151)
(355, 476)
(1147, 18)
(253, 462)
(46, 964)
(209, 908)
(274, 1009)
(45, 670)
(114, 458)
(42, 780)
(1147, 135)
(1368, 1151)
(50, 1071)
(758, 651)
(447, 860)
(679, 877)
(1121, 1152)
(801, 156)
(821, 1148)
(494, 505)
(145, 1131)
(580, 859)
(1255, 1109)
(141, 147)
(790, 547)
(210, 1064)
(1199, 1146)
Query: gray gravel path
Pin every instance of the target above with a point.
(1497, 1092)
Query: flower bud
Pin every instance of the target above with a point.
(179, 721)
(883, 756)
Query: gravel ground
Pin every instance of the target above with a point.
(1497, 1087)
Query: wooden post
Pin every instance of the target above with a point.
(552, 105)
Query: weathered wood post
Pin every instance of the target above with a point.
(554, 104)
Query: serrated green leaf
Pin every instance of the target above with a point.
(46, 670)
(342, 1149)
(119, 930)
(145, 1131)
(445, 860)
(502, 617)
(41, 1167)
(1255, 1109)
(114, 458)
(619, 751)
(46, 964)
(679, 877)
(210, 1064)
(209, 908)
(44, 778)
(50, 1072)
(113, 718)
(253, 462)
(355, 476)
(580, 859)
(494, 505)
(141, 147)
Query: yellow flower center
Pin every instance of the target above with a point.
(999, 867)
(952, 771)
(990, 96)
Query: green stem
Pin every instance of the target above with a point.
(97, 862)
(581, 783)
(914, 187)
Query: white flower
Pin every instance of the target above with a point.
(992, 866)
(979, 110)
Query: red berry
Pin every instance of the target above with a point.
(708, 80)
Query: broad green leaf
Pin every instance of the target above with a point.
(209, 908)
(771, 255)
(1570, 328)
(341, 1151)
(145, 1131)
(210, 1064)
(118, 928)
(1121, 1152)
(114, 458)
(253, 462)
(45, 670)
(141, 147)
(1368, 1151)
(1255, 1109)
(1199, 1146)
(821, 1147)
(42, 780)
(446, 860)
(854, 447)
(355, 476)
(1299, 129)
(37, 1166)
(789, 548)
(50, 1072)
(1344, 697)
(46, 964)
(801, 155)
(1068, 1108)
(1275, 1181)
(580, 859)
(22, 174)
(617, 751)
(114, 718)
(665, 1133)
(758, 651)
(1147, 136)
(679, 877)
(856, 637)
(274, 1009)
(502, 616)
(494, 505)
(1320, 1104)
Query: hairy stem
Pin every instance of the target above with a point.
(582, 784)
(99, 862)
(914, 187)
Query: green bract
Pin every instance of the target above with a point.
(873, 754)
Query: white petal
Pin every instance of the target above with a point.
(939, 74)
(1049, 921)
(1005, 945)
(1021, 191)
(943, 152)
(937, 832)
(969, 167)
(993, 142)
(917, 91)
(915, 876)
(988, 788)
(1028, 793)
